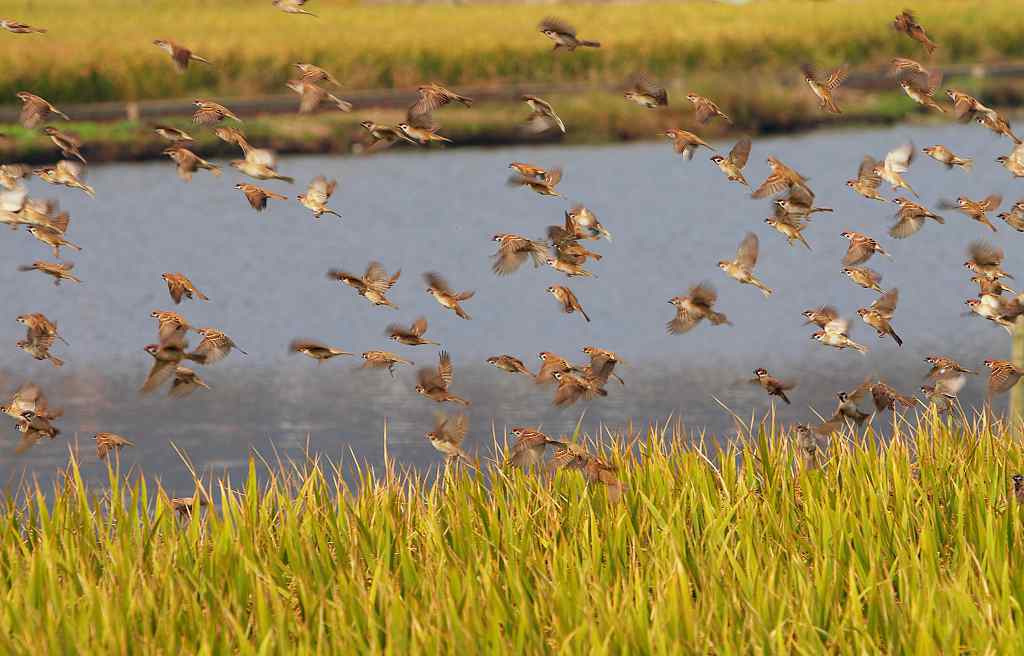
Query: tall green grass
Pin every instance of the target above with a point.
(101, 49)
(912, 546)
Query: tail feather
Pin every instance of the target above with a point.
(892, 333)
(589, 44)
(585, 316)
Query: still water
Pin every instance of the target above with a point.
(671, 222)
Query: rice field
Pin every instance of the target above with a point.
(876, 549)
(395, 45)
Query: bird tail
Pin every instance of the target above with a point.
(858, 347)
(202, 297)
(458, 399)
(782, 395)
(763, 287)
(89, 190)
(804, 241)
(214, 169)
(285, 178)
(831, 107)
(892, 333)
(588, 44)
(966, 164)
(201, 60)
(55, 361)
(585, 316)
(461, 313)
(939, 220)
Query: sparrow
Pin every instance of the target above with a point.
(433, 96)
(879, 313)
(790, 227)
(316, 350)
(602, 363)
(187, 505)
(551, 364)
(573, 386)
(563, 34)
(835, 334)
(529, 446)
(514, 250)
(171, 326)
(53, 238)
(30, 398)
(996, 310)
(172, 134)
(686, 143)
(544, 184)
(180, 55)
(741, 269)
(732, 166)
(887, 398)
(312, 95)
(292, 7)
(1015, 217)
(166, 357)
(985, 259)
(911, 217)
(215, 346)
(966, 107)
(188, 162)
(995, 122)
(865, 277)
(1018, 487)
(61, 271)
(39, 349)
(1003, 377)
(35, 110)
(705, 110)
(696, 306)
(38, 326)
(867, 181)
(11, 175)
(921, 87)
(447, 437)
(15, 27)
(185, 382)
(799, 203)
(595, 471)
(384, 136)
(847, 404)
(978, 210)
(33, 428)
(809, 447)
(373, 285)
(317, 194)
(178, 286)
(419, 127)
(896, 163)
(68, 144)
(582, 223)
(107, 442)
(258, 196)
(259, 163)
(861, 248)
(209, 113)
(823, 89)
(411, 336)
(313, 73)
(907, 24)
(942, 393)
(511, 364)
(946, 156)
(542, 115)
(382, 360)
(568, 300)
(820, 316)
(438, 288)
(772, 385)
(782, 178)
(646, 93)
(434, 384)
(1014, 162)
(993, 286)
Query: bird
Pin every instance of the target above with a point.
(1018, 487)
(861, 248)
(172, 134)
(216, 346)
(865, 277)
(434, 96)
(542, 115)
(209, 113)
(1004, 375)
(921, 87)
(509, 363)
(107, 442)
(741, 269)
(907, 24)
(985, 259)
(847, 406)
(382, 360)
(563, 34)
(442, 292)
(567, 299)
(38, 325)
(820, 316)
(582, 223)
(645, 92)
(258, 196)
(259, 163)
(59, 271)
(868, 180)
(697, 305)
(14, 27)
(528, 449)
(732, 165)
(35, 110)
(311, 96)
(705, 109)
(946, 156)
(992, 286)
(179, 286)
(313, 73)
(686, 143)
(836, 334)
(573, 386)
(897, 162)
(434, 384)
(68, 144)
(419, 127)
(180, 55)
(943, 392)
(53, 238)
(977, 210)
(373, 285)
(447, 436)
(39, 348)
(595, 470)
(998, 124)
(995, 309)
(782, 178)
(292, 7)
(1014, 162)
(411, 336)
(316, 350)
(772, 385)
(188, 162)
(1015, 217)
(880, 312)
(544, 183)
(823, 89)
(167, 355)
(317, 194)
(790, 227)
(798, 203)
(384, 136)
(887, 398)
(514, 250)
(551, 363)
(603, 363)
(911, 217)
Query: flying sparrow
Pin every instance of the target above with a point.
(867, 181)
(14, 27)
(1015, 217)
(943, 367)
(52, 238)
(790, 227)
(835, 334)
(978, 210)
(411, 336)
(180, 55)
(316, 196)
(107, 442)
(686, 143)
(447, 437)
(568, 300)
(921, 87)
(1003, 377)
(985, 259)
(208, 113)
(35, 110)
(61, 271)
(185, 382)
(316, 350)
(911, 217)
(38, 326)
(887, 398)
(644, 92)
(897, 162)
(292, 7)
(172, 134)
(582, 223)
(1014, 162)
(741, 269)
(946, 156)
(732, 166)
(433, 96)
(434, 384)
(383, 360)
(861, 248)
(693, 308)
(772, 385)
(373, 285)
(543, 185)
(865, 277)
(442, 292)
(907, 24)
(782, 178)
(880, 313)
(528, 449)
(514, 250)
(705, 110)
(311, 96)
(215, 346)
(511, 364)
(257, 196)
(188, 162)
(542, 115)
(820, 316)
(563, 34)
(823, 88)
(178, 285)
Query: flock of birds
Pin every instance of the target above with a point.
(563, 250)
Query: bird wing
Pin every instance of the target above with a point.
(740, 152)
(899, 159)
(746, 254)
(434, 280)
(886, 303)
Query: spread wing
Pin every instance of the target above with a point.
(746, 255)
(740, 152)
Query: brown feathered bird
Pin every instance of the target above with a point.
(434, 383)
(442, 292)
(907, 24)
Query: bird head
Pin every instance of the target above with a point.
(23, 95)
(492, 360)
(160, 42)
(818, 335)
(430, 435)
(549, 33)
(771, 222)
(152, 349)
(551, 290)
(851, 183)
(723, 264)
(197, 102)
(717, 159)
(676, 301)
(930, 359)
(692, 97)
(952, 94)
(845, 234)
(420, 389)
(760, 372)
(558, 375)
(861, 312)
(629, 95)
(497, 237)
(961, 200)
(49, 131)
(1017, 479)
(842, 396)
(22, 319)
(973, 303)
(516, 432)
(588, 349)
(1002, 159)
(990, 363)
(366, 124)
(239, 185)
(545, 355)
(404, 127)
